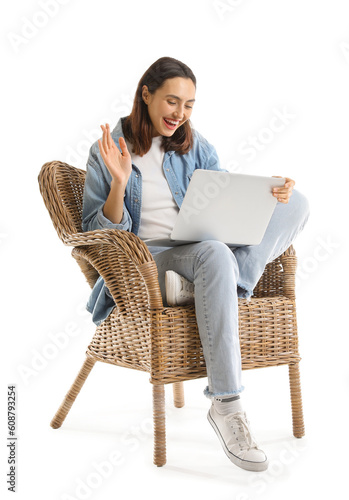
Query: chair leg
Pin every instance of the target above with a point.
(296, 400)
(70, 397)
(159, 425)
(178, 394)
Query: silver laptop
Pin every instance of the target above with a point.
(229, 207)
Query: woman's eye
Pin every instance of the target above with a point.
(173, 103)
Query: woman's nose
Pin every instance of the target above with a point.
(179, 113)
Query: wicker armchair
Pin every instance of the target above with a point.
(144, 335)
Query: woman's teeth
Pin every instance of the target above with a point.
(171, 123)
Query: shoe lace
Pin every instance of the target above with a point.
(238, 421)
(187, 286)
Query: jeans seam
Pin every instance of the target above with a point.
(206, 318)
(202, 264)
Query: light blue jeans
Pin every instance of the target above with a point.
(222, 274)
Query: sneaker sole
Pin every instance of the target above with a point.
(244, 464)
(170, 288)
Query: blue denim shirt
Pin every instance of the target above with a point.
(178, 170)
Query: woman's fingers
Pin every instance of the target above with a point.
(101, 149)
(104, 139)
(118, 164)
(123, 146)
(109, 138)
(284, 193)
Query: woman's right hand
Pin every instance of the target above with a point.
(119, 165)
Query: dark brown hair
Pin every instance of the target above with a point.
(137, 127)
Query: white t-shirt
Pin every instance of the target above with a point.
(159, 208)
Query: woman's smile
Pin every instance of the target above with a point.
(171, 124)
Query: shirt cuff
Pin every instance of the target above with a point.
(107, 224)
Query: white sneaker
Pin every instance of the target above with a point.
(235, 437)
(179, 291)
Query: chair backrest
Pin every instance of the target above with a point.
(62, 188)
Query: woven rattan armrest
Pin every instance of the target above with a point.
(129, 242)
(124, 262)
(125, 254)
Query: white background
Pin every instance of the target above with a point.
(60, 81)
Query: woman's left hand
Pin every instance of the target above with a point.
(284, 193)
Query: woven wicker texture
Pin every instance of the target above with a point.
(144, 335)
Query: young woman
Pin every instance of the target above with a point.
(136, 180)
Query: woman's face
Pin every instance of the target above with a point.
(171, 105)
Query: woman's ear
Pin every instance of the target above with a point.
(145, 94)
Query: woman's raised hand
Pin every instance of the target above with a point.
(118, 164)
